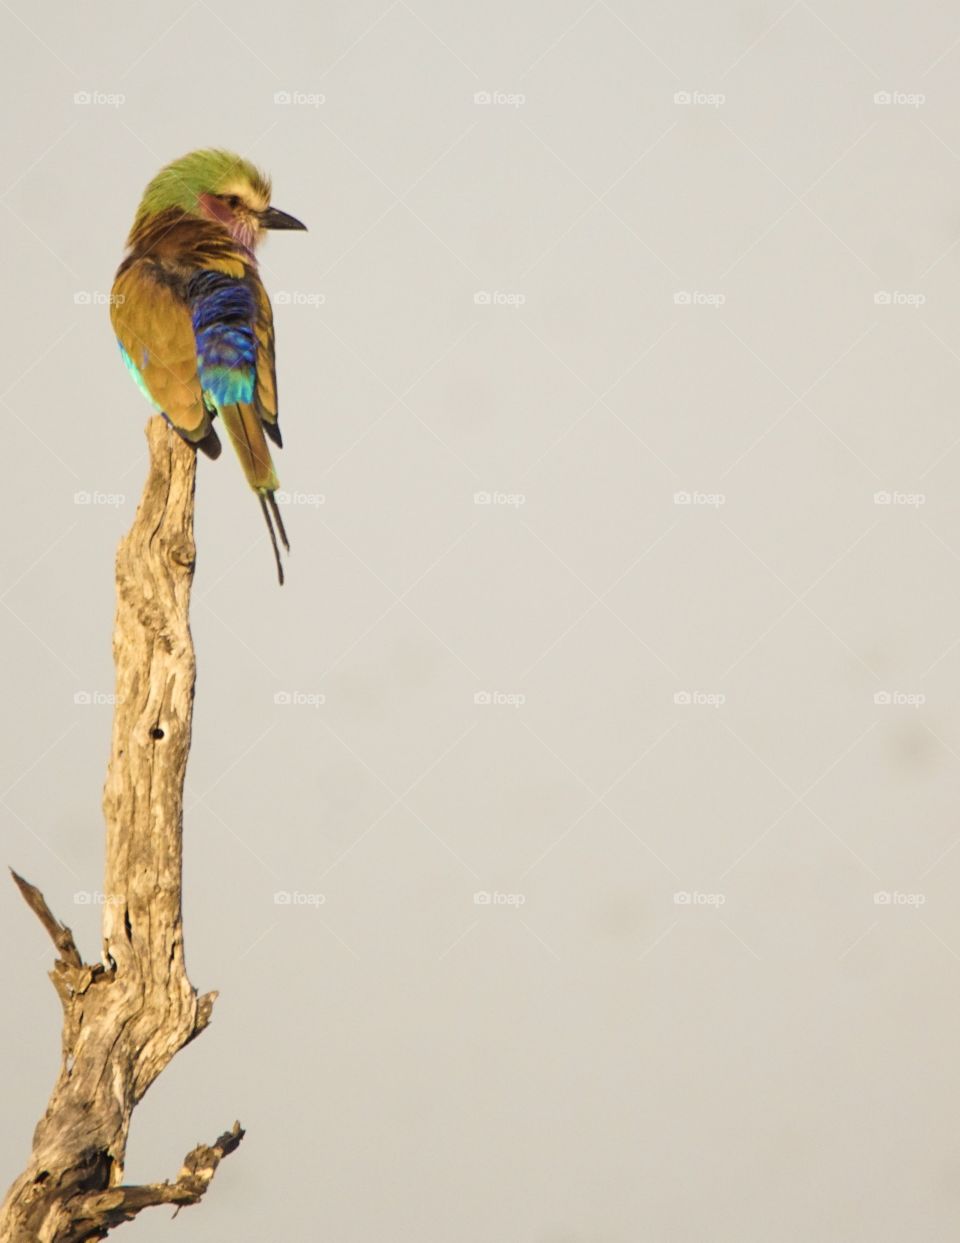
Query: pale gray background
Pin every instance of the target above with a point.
(603, 1064)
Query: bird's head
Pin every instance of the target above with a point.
(217, 186)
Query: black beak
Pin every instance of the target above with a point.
(274, 218)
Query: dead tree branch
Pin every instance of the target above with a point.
(125, 1017)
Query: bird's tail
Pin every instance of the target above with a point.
(246, 434)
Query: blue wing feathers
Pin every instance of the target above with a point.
(223, 315)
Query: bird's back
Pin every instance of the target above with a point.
(196, 327)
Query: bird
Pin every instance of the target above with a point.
(192, 318)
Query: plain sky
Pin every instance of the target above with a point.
(619, 379)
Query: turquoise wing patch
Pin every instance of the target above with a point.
(134, 370)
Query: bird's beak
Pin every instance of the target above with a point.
(274, 218)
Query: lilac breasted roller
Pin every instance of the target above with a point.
(193, 319)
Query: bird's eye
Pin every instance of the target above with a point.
(233, 200)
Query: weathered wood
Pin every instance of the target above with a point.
(125, 1017)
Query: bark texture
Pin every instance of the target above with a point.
(126, 1016)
